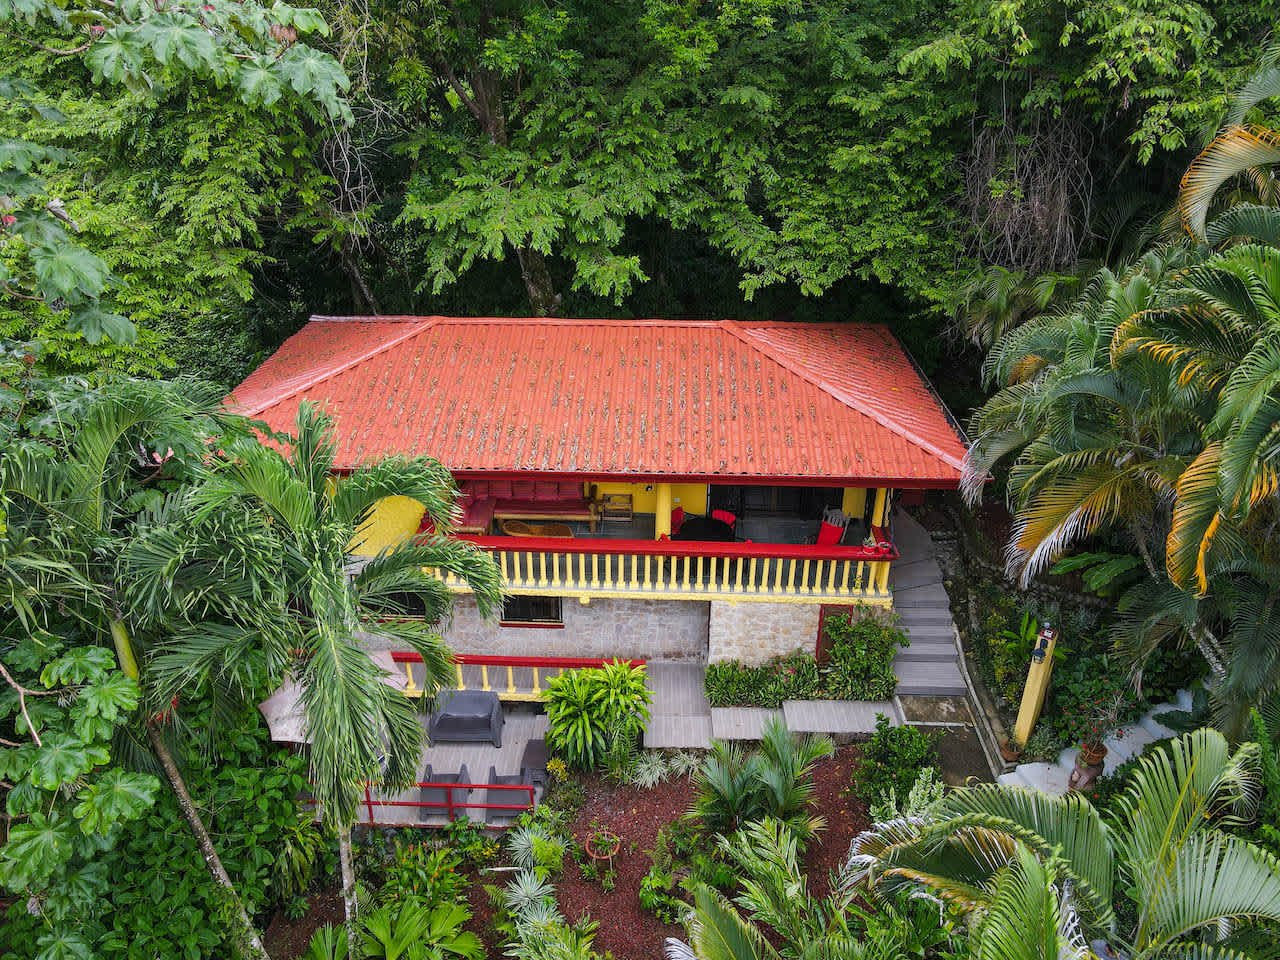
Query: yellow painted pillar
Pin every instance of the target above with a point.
(1033, 694)
(662, 511)
(854, 501)
(880, 512)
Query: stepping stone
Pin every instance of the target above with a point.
(836, 716)
(1048, 777)
(1155, 727)
(678, 733)
(740, 723)
(1183, 700)
(1124, 744)
(929, 678)
(1011, 779)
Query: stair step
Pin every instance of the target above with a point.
(923, 616)
(1049, 777)
(932, 595)
(930, 633)
(935, 650)
(929, 678)
(1154, 727)
(916, 577)
(1125, 743)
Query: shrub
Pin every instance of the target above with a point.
(588, 707)
(861, 652)
(649, 769)
(859, 667)
(385, 932)
(892, 760)
(736, 787)
(429, 876)
(923, 800)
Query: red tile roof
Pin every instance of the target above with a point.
(641, 399)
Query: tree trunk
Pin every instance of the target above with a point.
(248, 940)
(543, 299)
(348, 888)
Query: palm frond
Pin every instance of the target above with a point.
(1231, 153)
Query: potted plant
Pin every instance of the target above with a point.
(602, 845)
(1093, 752)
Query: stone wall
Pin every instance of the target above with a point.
(752, 633)
(648, 629)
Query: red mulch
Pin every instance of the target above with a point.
(627, 930)
(846, 818)
(285, 938)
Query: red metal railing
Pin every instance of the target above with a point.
(484, 659)
(884, 550)
(449, 805)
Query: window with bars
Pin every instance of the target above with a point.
(533, 612)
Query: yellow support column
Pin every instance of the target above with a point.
(880, 517)
(1033, 694)
(662, 511)
(854, 501)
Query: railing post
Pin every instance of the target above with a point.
(368, 803)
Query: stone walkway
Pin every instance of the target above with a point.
(681, 719)
(930, 665)
(1123, 744)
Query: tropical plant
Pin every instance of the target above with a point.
(775, 894)
(313, 614)
(735, 787)
(403, 930)
(650, 769)
(589, 709)
(1039, 874)
(924, 799)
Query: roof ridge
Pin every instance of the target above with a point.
(297, 386)
(807, 374)
(592, 321)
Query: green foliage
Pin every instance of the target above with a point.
(57, 279)
(429, 876)
(892, 761)
(590, 708)
(403, 930)
(67, 801)
(736, 787)
(150, 893)
(859, 667)
(923, 800)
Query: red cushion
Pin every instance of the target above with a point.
(523, 490)
(829, 534)
(677, 519)
(479, 512)
(546, 490)
(569, 489)
(499, 488)
(724, 516)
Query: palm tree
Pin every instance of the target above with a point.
(775, 894)
(326, 604)
(71, 502)
(997, 300)
(1007, 855)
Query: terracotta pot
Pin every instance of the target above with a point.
(606, 851)
(1091, 755)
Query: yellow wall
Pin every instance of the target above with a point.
(394, 518)
(691, 496)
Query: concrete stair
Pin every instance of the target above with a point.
(929, 666)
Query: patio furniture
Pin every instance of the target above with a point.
(617, 506)
(832, 530)
(467, 716)
(442, 796)
(518, 528)
(704, 529)
(506, 797)
(725, 516)
(533, 762)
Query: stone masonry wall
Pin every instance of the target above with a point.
(752, 633)
(648, 629)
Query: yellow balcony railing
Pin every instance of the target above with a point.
(678, 570)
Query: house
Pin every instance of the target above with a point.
(649, 488)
